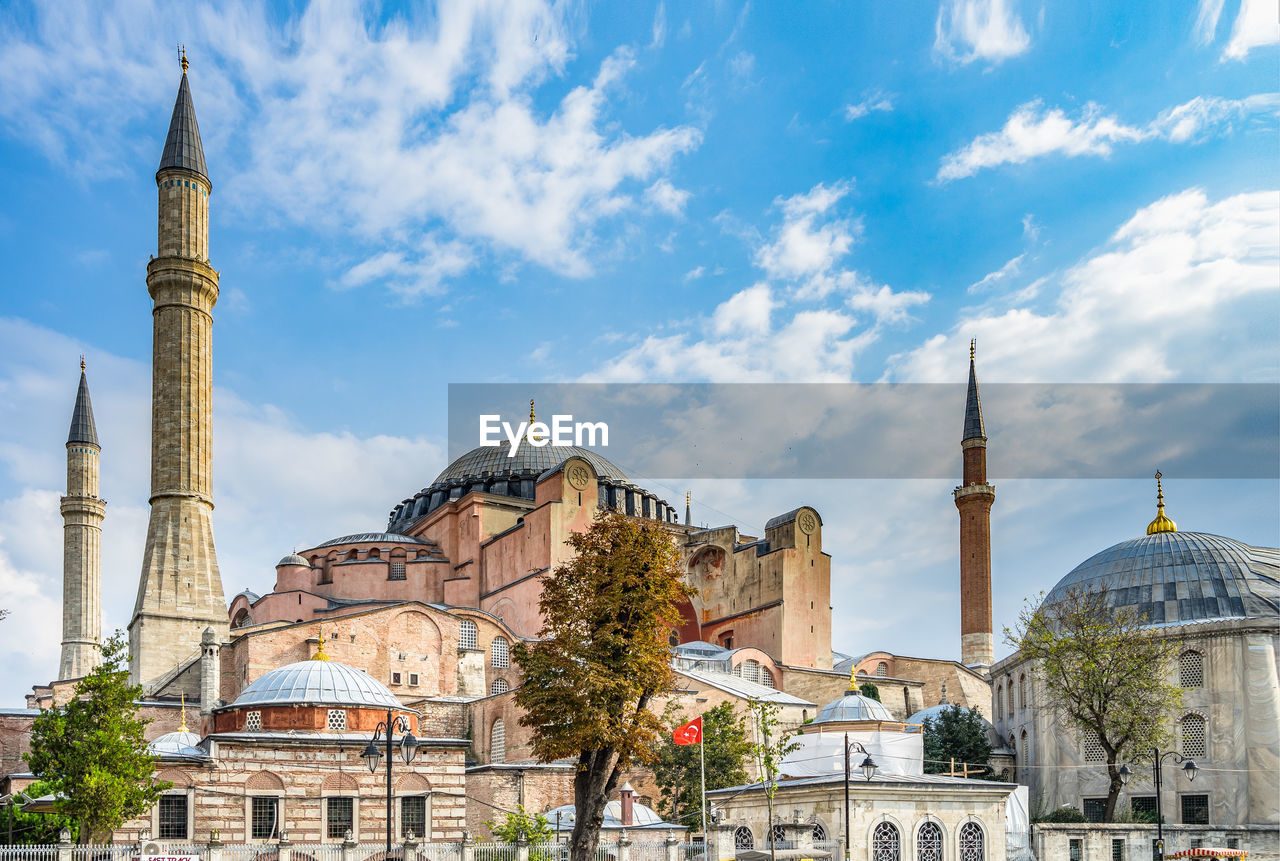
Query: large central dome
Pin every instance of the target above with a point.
(529, 459)
(1181, 577)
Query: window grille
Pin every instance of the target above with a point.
(1193, 735)
(1195, 810)
(397, 571)
(253, 722)
(1191, 669)
(778, 835)
(500, 653)
(819, 833)
(1233, 842)
(339, 816)
(1075, 849)
(1022, 692)
(499, 686)
(262, 817)
(413, 816)
(498, 742)
(884, 843)
(173, 817)
(999, 701)
(742, 838)
(971, 842)
(929, 842)
(1009, 694)
(413, 679)
(338, 719)
(882, 669)
(1093, 750)
(468, 635)
(1141, 805)
(766, 678)
(1094, 809)
(395, 678)
(1117, 850)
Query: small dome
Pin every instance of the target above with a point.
(317, 682)
(180, 744)
(293, 559)
(853, 706)
(642, 816)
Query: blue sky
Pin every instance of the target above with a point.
(407, 196)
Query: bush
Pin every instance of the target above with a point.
(1066, 813)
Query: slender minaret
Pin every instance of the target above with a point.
(973, 499)
(82, 512)
(180, 592)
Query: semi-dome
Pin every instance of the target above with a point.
(181, 743)
(853, 706)
(1179, 577)
(293, 559)
(317, 682)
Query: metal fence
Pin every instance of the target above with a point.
(102, 853)
(494, 852)
(34, 852)
(648, 850)
(693, 852)
(317, 852)
(440, 851)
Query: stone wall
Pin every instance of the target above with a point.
(493, 790)
(1051, 841)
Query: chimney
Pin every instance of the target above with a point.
(628, 799)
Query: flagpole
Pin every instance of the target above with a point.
(702, 770)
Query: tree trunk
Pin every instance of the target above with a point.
(1113, 791)
(594, 782)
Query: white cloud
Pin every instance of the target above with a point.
(1175, 283)
(872, 103)
(1206, 26)
(694, 274)
(1005, 272)
(745, 313)
(1256, 25)
(802, 247)
(664, 196)
(1033, 132)
(988, 30)
(387, 131)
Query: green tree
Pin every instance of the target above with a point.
(91, 752)
(769, 748)
(1104, 672)
(604, 655)
(725, 749)
(535, 829)
(958, 734)
(870, 691)
(17, 827)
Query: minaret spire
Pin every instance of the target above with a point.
(688, 508)
(973, 500)
(1162, 523)
(82, 512)
(180, 590)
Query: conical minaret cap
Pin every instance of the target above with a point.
(973, 427)
(182, 148)
(82, 427)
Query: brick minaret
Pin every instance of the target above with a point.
(82, 512)
(180, 593)
(973, 499)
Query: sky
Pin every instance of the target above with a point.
(408, 195)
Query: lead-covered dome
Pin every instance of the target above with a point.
(1179, 577)
(853, 706)
(529, 459)
(182, 744)
(317, 682)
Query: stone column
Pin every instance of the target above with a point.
(624, 846)
(672, 845)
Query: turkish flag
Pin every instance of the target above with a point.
(690, 733)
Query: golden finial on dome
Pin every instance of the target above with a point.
(182, 51)
(182, 725)
(1161, 523)
(973, 348)
(82, 363)
(532, 418)
(320, 655)
(853, 680)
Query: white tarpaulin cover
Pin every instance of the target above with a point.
(823, 753)
(1017, 826)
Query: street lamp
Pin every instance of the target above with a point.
(1189, 768)
(372, 755)
(868, 771)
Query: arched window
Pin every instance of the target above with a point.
(971, 842)
(742, 838)
(999, 702)
(766, 678)
(929, 842)
(499, 686)
(1009, 694)
(498, 742)
(1193, 735)
(885, 844)
(778, 835)
(468, 636)
(1191, 669)
(500, 653)
(882, 669)
(1022, 691)
(819, 832)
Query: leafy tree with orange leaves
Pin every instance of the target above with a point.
(603, 657)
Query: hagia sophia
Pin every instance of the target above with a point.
(262, 704)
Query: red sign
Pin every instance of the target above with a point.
(690, 733)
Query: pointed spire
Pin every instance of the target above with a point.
(944, 701)
(688, 508)
(182, 148)
(973, 427)
(82, 427)
(1162, 523)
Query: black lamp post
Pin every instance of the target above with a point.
(372, 755)
(1190, 769)
(868, 771)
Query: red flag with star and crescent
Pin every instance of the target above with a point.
(689, 733)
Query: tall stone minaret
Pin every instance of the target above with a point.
(973, 499)
(82, 512)
(180, 593)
